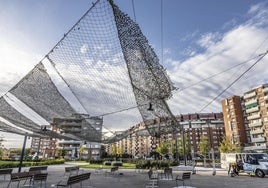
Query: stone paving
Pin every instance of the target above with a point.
(132, 179)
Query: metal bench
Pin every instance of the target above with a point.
(37, 168)
(71, 169)
(183, 177)
(153, 179)
(20, 176)
(6, 171)
(112, 171)
(39, 177)
(73, 179)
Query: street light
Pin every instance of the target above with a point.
(183, 144)
(22, 152)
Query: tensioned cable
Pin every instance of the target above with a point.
(187, 87)
(252, 54)
(35, 115)
(134, 12)
(122, 110)
(162, 34)
(55, 46)
(230, 85)
(216, 74)
(67, 84)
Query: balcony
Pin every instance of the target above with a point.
(251, 103)
(254, 109)
(255, 148)
(255, 124)
(255, 116)
(257, 131)
(249, 95)
(261, 139)
(265, 90)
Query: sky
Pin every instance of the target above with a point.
(193, 40)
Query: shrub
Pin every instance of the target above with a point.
(107, 163)
(117, 163)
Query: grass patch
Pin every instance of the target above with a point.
(96, 166)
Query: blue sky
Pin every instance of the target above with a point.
(200, 38)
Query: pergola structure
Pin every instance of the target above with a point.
(103, 66)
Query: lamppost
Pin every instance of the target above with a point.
(183, 146)
(22, 152)
(213, 161)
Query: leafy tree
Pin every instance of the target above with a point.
(226, 146)
(81, 151)
(204, 146)
(114, 150)
(1, 152)
(163, 148)
(187, 146)
(61, 152)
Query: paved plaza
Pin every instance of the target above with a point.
(132, 179)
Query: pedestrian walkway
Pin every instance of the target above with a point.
(131, 179)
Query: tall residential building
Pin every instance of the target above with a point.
(234, 120)
(70, 149)
(256, 103)
(140, 144)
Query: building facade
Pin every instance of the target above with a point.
(256, 104)
(235, 121)
(70, 149)
(193, 126)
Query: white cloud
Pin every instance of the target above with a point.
(208, 40)
(15, 63)
(223, 51)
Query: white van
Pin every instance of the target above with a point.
(249, 162)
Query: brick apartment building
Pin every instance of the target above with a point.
(194, 126)
(246, 118)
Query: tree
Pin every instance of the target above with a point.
(187, 146)
(81, 151)
(1, 146)
(114, 150)
(204, 146)
(226, 146)
(163, 148)
(60, 152)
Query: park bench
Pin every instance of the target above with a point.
(38, 168)
(6, 171)
(20, 176)
(71, 169)
(113, 170)
(74, 179)
(39, 177)
(33, 177)
(153, 179)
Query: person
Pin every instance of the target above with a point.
(239, 165)
(233, 170)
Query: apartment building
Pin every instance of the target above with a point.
(235, 121)
(51, 147)
(140, 144)
(256, 104)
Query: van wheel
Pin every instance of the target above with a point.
(259, 173)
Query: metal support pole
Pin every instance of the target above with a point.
(22, 152)
(183, 144)
(213, 161)
(176, 150)
(38, 149)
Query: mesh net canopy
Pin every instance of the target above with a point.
(106, 63)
